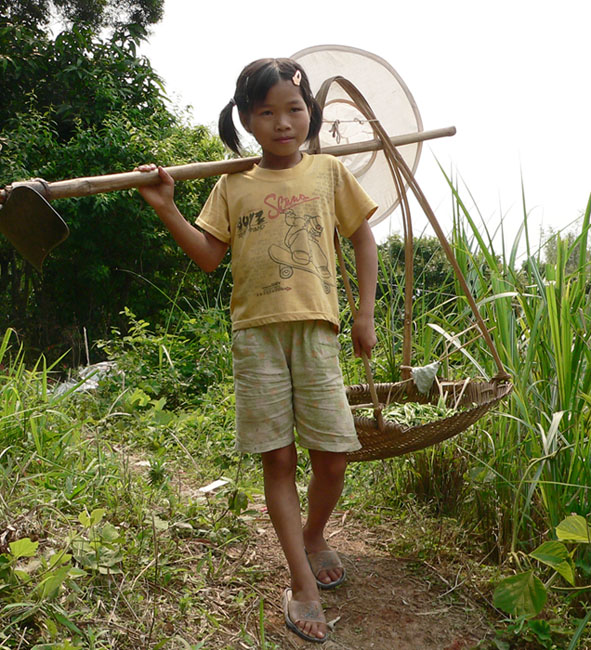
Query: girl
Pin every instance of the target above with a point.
(279, 219)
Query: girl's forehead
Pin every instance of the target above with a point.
(283, 91)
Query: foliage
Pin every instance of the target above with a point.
(433, 297)
(521, 471)
(563, 241)
(175, 366)
(85, 533)
(524, 594)
(542, 333)
(84, 106)
(76, 80)
(92, 13)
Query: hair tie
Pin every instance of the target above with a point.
(232, 102)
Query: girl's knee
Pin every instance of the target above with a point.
(328, 465)
(280, 462)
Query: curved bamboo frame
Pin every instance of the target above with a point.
(379, 438)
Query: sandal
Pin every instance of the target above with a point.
(296, 610)
(325, 561)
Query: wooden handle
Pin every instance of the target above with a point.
(126, 180)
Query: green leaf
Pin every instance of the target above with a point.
(109, 533)
(75, 572)
(23, 576)
(556, 555)
(84, 519)
(65, 621)
(51, 585)
(521, 595)
(574, 529)
(93, 519)
(59, 558)
(23, 548)
(541, 629)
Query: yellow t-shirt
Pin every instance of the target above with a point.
(280, 226)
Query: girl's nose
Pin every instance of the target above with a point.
(281, 122)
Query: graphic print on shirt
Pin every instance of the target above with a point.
(250, 223)
(302, 249)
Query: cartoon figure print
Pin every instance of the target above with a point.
(302, 250)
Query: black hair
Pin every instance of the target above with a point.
(252, 86)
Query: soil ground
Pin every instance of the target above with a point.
(387, 603)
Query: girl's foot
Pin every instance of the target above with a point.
(327, 568)
(304, 617)
(325, 562)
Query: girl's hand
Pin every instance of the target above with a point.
(160, 196)
(363, 334)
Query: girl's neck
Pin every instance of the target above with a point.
(280, 162)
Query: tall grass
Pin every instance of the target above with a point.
(85, 532)
(528, 465)
(540, 451)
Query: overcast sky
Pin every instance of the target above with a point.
(513, 76)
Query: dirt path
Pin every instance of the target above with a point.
(386, 603)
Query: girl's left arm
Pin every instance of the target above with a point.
(366, 264)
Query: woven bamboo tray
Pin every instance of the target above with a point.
(475, 398)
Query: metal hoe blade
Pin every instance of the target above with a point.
(31, 225)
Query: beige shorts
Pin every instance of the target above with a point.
(287, 375)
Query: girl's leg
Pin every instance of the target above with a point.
(324, 490)
(283, 505)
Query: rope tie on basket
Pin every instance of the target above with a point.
(334, 129)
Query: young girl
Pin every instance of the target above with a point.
(279, 219)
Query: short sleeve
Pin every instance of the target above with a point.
(214, 217)
(352, 203)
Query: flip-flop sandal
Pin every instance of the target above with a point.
(325, 561)
(296, 610)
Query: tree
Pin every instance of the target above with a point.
(82, 105)
(568, 243)
(432, 272)
(95, 14)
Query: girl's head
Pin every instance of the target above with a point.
(252, 86)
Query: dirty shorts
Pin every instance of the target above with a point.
(287, 375)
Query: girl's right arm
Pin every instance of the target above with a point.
(204, 249)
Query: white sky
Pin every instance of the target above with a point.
(513, 76)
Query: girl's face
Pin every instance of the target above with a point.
(280, 124)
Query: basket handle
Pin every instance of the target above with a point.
(377, 409)
(401, 173)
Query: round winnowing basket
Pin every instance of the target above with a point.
(471, 398)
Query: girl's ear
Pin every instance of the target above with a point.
(245, 122)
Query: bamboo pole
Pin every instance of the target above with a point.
(113, 182)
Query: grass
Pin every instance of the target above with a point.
(106, 540)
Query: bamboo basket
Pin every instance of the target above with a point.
(380, 438)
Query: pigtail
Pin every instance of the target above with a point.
(315, 117)
(227, 130)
